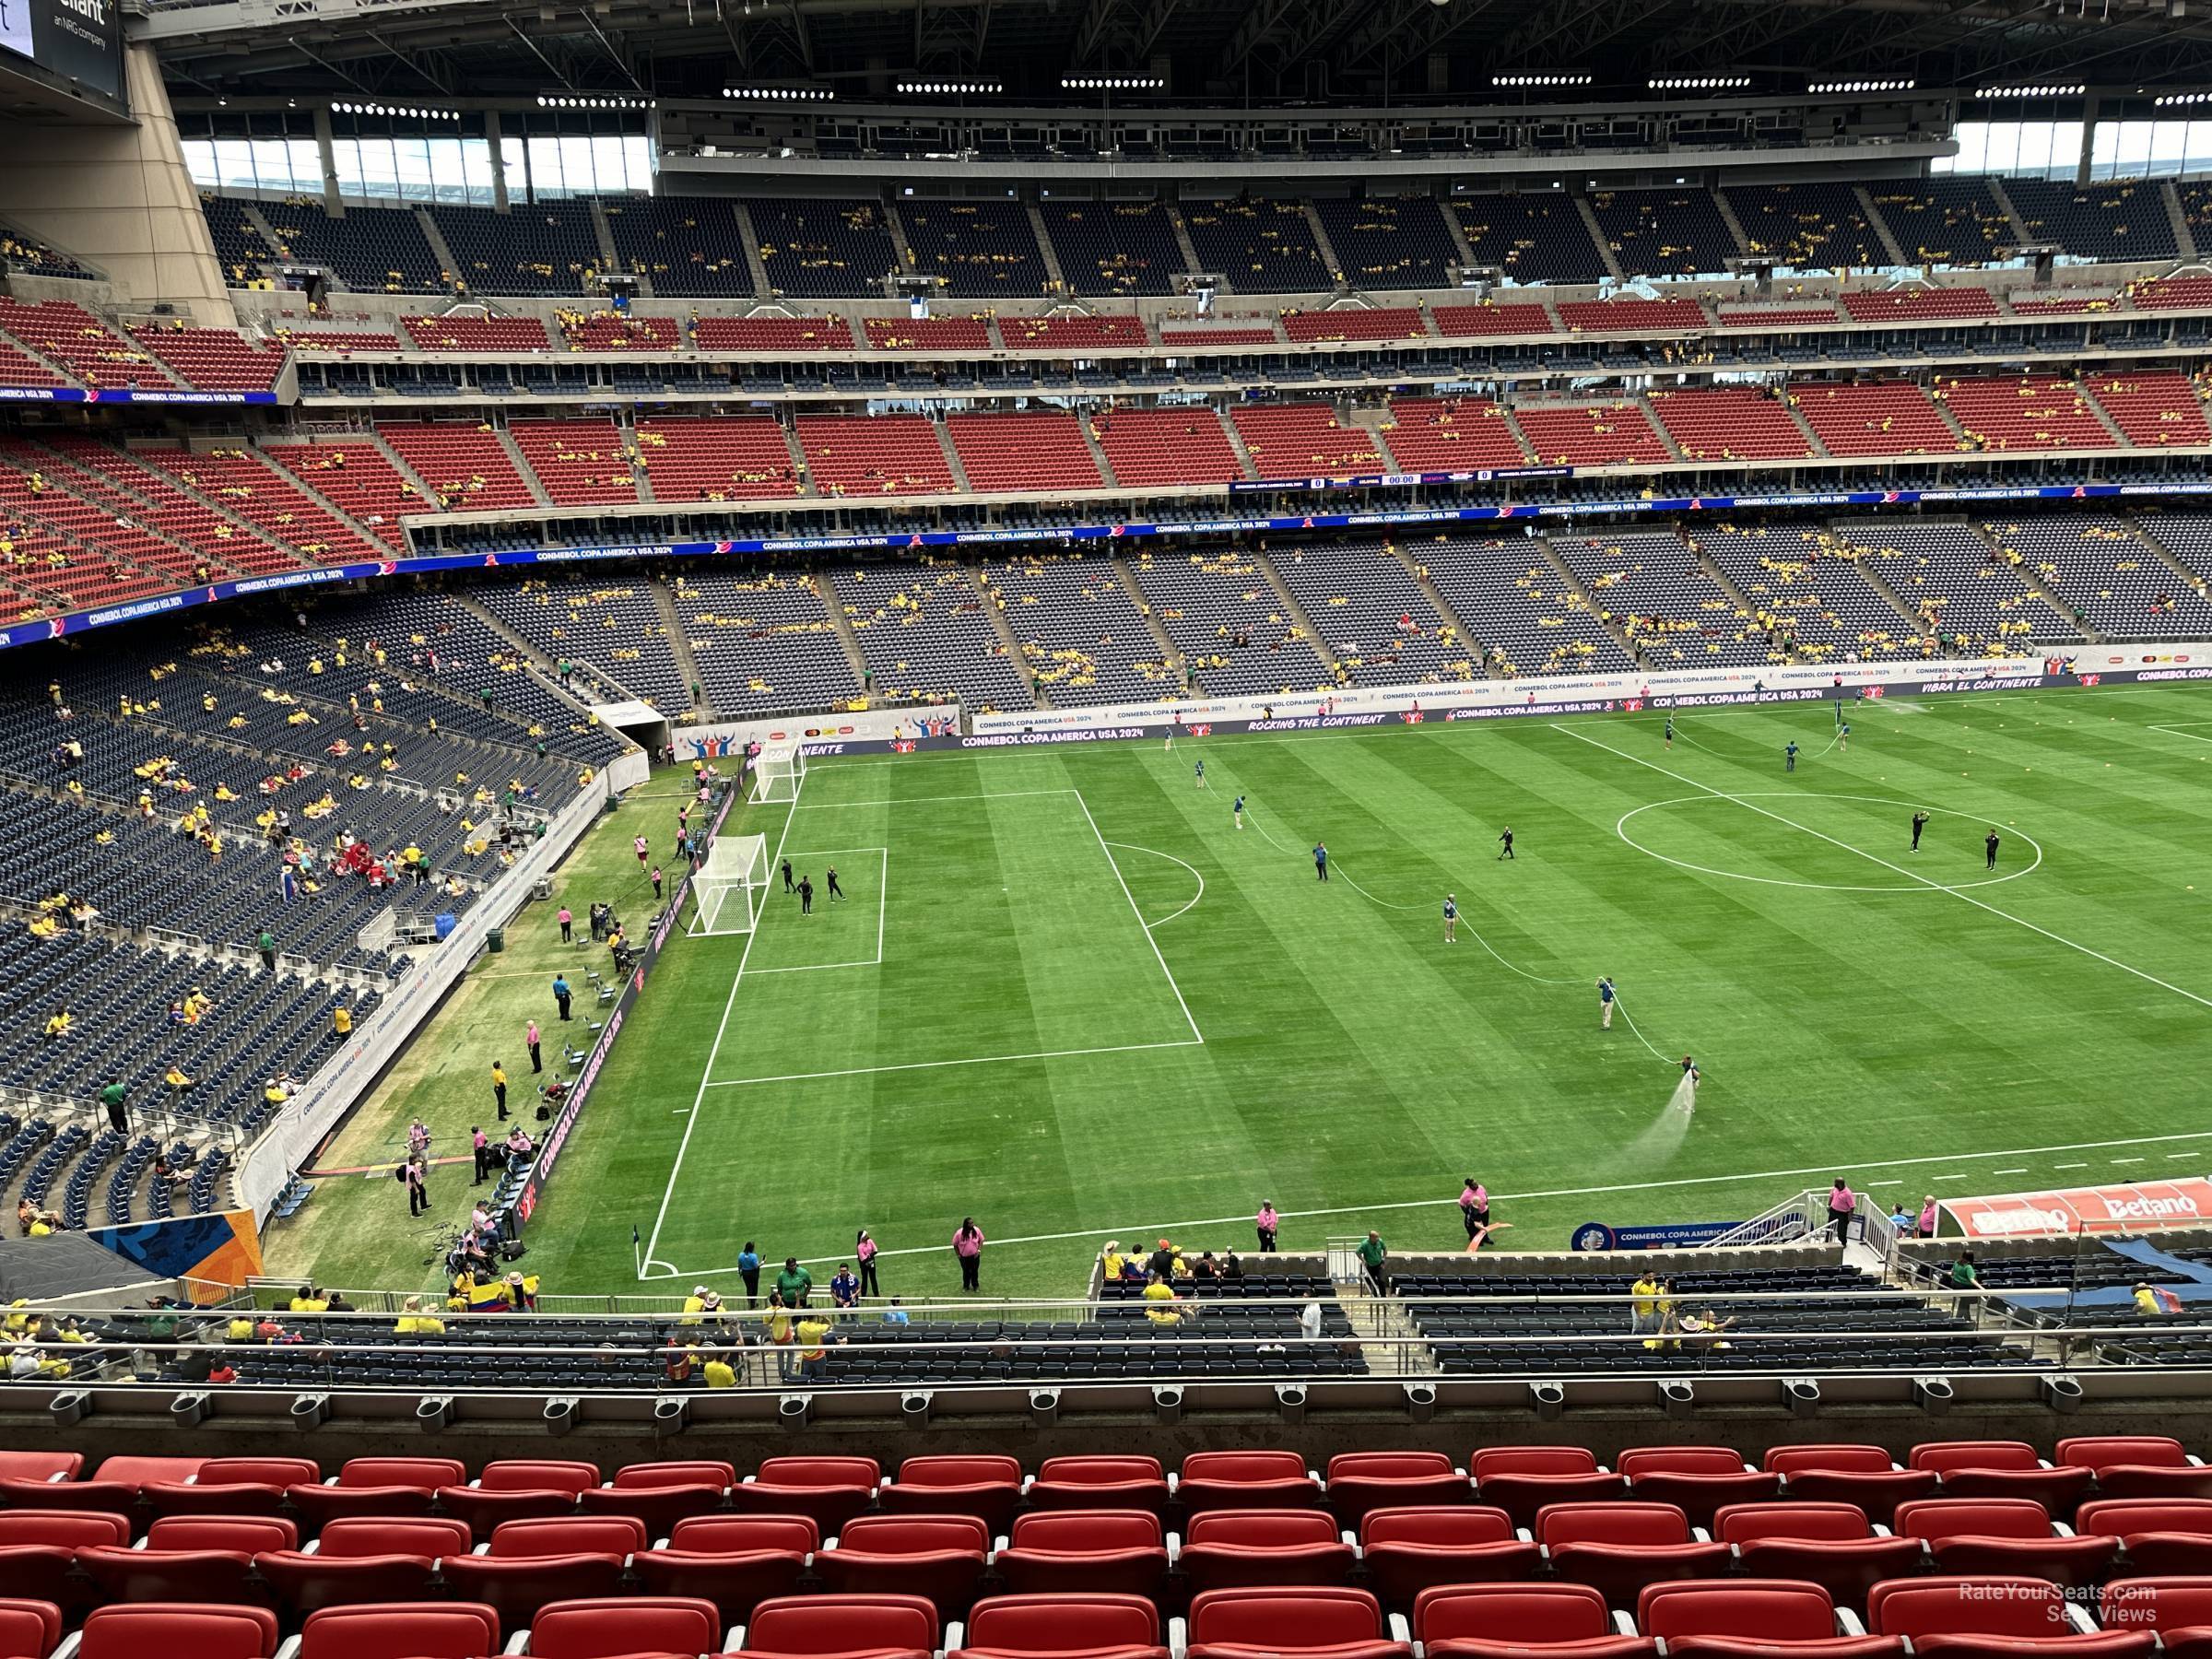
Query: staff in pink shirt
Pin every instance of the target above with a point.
(967, 1244)
(530, 1037)
(1842, 1201)
(864, 1251)
(1474, 1208)
(1265, 1223)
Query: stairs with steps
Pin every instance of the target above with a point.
(1045, 250)
(1389, 1340)
(841, 624)
(1327, 248)
(1190, 251)
(751, 242)
(900, 245)
(1458, 232)
(319, 500)
(1419, 572)
(1573, 584)
(1735, 226)
(608, 259)
(436, 238)
(2104, 416)
(1597, 238)
(422, 489)
(2012, 214)
(2185, 234)
(2035, 584)
(2197, 583)
(1896, 602)
(1881, 226)
(988, 596)
(679, 643)
(1236, 442)
(521, 467)
(1297, 613)
(1098, 454)
(1804, 426)
(1666, 439)
(119, 501)
(952, 455)
(798, 459)
(1126, 576)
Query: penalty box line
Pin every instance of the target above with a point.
(865, 1071)
(883, 888)
(1895, 869)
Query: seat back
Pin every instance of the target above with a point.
(1945, 1455)
(842, 1624)
(1388, 1465)
(1531, 1459)
(820, 1472)
(744, 1534)
(1262, 1529)
(1069, 1621)
(29, 1630)
(1628, 1524)
(1831, 1458)
(135, 1630)
(2134, 1450)
(1980, 1606)
(2156, 1603)
(349, 1537)
(631, 1624)
(1099, 1471)
(568, 1535)
(427, 1473)
(694, 1471)
(2126, 1518)
(1091, 1532)
(537, 1475)
(1938, 1518)
(1243, 1468)
(1437, 1526)
(914, 1535)
(1679, 1460)
(65, 1529)
(1800, 1523)
(259, 1471)
(401, 1630)
(1286, 1620)
(252, 1533)
(42, 1465)
(948, 1471)
(1532, 1614)
(1769, 1610)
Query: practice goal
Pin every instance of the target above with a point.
(778, 771)
(731, 885)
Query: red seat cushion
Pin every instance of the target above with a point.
(1096, 1625)
(133, 1632)
(426, 1631)
(631, 1624)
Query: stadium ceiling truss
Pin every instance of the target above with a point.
(1310, 51)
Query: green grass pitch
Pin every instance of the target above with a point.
(1066, 995)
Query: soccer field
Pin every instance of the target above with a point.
(1066, 995)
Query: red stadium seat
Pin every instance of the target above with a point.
(1517, 1622)
(1099, 1483)
(734, 1561)
(690, 1472)
(1620, 1548)
(29, 1630)
(225, 1577)
(1988, 1617)
(1361, 1481)
(2136, 1465)
(661, 1508)
(2001, 1469)
(1406, 1551)
(1117, 1551)
(832, 1489)
(1865, 1475)
(939, 1557)
(844, 1627)
(128, 1469)
(38, 1547)
(1698, 1480)
(1831, 1545)
(1853, 1457)
(2004, 1536)
(42, 1465)
(986, 1486)
(377, 1485)
(1093, 1625)
(364, 1558)
(2178, 1610)
(115, 1497)
(425, 1631)
(1227, 1549)
(67, 1529)
(200, 1632)
(2162, 1536)
(232, 1486)
(1522, 1479)
(253, 1534)
(533, 1563)
(631, 1624)
(1313, 1622)
(1246, 1480)
(1723, 1620)
(518, 1490)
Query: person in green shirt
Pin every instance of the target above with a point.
(794, 1283)
(266, 945)
(1965, 1276)
(111, 1097)
(1374, 1251)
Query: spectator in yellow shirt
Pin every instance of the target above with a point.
(58, 1026)
(341, 1020)
(719, 1372)
(414, 1321)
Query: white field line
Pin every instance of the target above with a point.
(865, 1071)
(1106, 853)
(882, 902)
(1936, 887)
(1155, 851)
(1002, 794)
(1153, 1230)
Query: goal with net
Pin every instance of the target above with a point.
(731, 885)
(778, 771)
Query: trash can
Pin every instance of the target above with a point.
(495, 939)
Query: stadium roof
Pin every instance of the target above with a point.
(1313, 52)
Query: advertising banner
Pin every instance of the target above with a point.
(2140, 1207)
(1679, 1235)
(77, 39)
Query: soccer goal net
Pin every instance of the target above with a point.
(731, 885)
(778, 771)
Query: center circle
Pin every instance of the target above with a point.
(1907, 882)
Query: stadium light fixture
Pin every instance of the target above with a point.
(1864, 86)
(1699, 83)
(1112, 83)
(1540, 80)
(408, 113)
(559, 102)
(2182, 98)
(2029, 91)
(781, 94)
(949, 88)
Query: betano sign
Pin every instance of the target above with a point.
(2144, 1206)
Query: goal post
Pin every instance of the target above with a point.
(778, 771)
(731, 885)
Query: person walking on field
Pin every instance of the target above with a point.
(418, 1179)
(1264, 1223)
(1474, 1207)
(499, 1087)
(1321, 861)
(561, 994)
(1605, 1005)
(644, 849)
(749, 1270)
(1842, 1202)
(568, 926)
(837, 894)
(806, 896)
(657, 883)
(1990, 846)
(864, 1251)
(967, 1244)
(530, 1037)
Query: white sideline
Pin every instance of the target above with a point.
(1935, 887)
